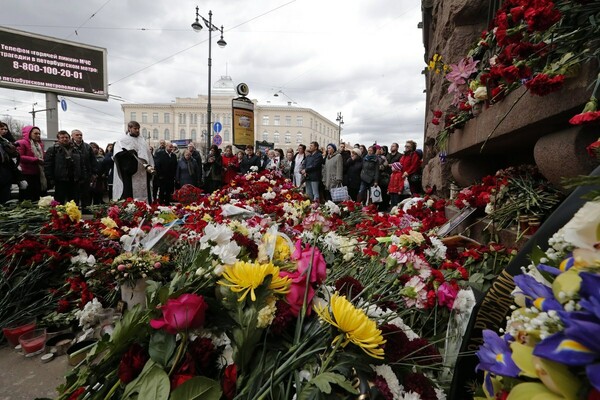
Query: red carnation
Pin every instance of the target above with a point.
(541, 18)
(418, 383)
(594, 149)
(435, 121)
(585, 118)
(438, 113)
(132, 363)
(75, 395)
(348, 286)
(543, 84)
(517, 13)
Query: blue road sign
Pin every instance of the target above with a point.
(217, 127)
(63, 104)
(217, 139)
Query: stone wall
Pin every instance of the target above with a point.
(522, 128)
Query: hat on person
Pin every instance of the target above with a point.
(357, 146)
(333, 146)
(357, 151)
(396, 166)
(376, 147)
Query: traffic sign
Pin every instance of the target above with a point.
(217, 139)
(63, 104)
(217, 127)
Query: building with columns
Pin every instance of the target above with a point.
(184, 119)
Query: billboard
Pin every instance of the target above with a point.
(243, 122)
(44, 64)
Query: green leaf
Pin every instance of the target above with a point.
(134, 386)
(162, 347)
(537, 254)
(156, 385)
(323, 382)
(199, 387)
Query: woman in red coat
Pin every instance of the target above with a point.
(230, 165)
(411, 165)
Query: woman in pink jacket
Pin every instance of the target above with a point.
(31, 149)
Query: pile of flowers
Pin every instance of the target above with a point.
(533, 44)
(510, 193)
(549, 348)
(259, 296)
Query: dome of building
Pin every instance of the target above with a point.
(224, 86)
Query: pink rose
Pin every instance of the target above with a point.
(121, 267)
(183, 313)
(446, 294)
(295, 297)
(157, 265)
(304, 256)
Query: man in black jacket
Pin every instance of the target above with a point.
(166, 168)
(63, 167)
(313, 171)
(90, 168)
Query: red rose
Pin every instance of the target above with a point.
(229, 381)
(132, 363)
(180, 314)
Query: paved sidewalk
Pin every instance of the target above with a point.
(24, 378)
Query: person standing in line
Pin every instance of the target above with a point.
(63, 167)
(333, 172)
(369, 174)
(9, 160)
(411, 166)
(250, 160)
(287, 165)
(299, 165)
(166, 167)
(98, 184)
(230, 164)
(188, 172)
(213, 170)
(313, 171)
(133, 166)
(396, 186)
(162, 148)
(31, 150)
(345, 153)
(352, 173)
(89, 171)
(107, 168)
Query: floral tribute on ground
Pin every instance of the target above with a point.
(254, 292)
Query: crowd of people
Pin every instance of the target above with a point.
(90, 175)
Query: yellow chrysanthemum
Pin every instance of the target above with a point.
(246, 277)
(282, 249)
(73, 211)
(355, 325)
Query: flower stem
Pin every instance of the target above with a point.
(339, 339)
(112, 390)
(179, 352)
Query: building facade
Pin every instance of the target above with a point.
(185, 119)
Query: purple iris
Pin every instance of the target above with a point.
(495, 356)
(578, 344)
(537, 294)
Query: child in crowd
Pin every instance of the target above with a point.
(396, 186)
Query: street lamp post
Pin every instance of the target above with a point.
(340, 121)
(197, 26)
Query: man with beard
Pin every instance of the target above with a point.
(90, 168)
(63, 168)
(133, 166)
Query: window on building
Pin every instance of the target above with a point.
(182, 134)
(155, 134)
(265, 136)
(144, 133)
(144, 117)
(226, 136)
(299, 121)
(133, 116)
(276, 137)
(167, 134)
(193, 119)
(265, 120)
(288, 120)
(288, 137)
(203, 118)
(228, 119)
(182, 118)
(155, 118)
(299, 137)
(276, 120)
(311, 123)
(167, 118)
(194, 135)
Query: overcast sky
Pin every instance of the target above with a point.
(362, 58)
